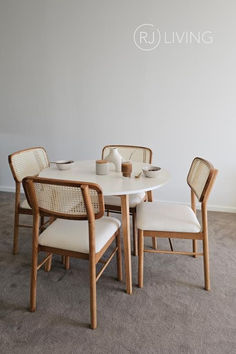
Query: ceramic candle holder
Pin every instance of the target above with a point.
(102, 167)
(126, 168)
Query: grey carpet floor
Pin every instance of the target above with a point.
(171, 314)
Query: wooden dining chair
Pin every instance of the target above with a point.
(80, 229)
(27, 162)
(167, 220)
(113, 203)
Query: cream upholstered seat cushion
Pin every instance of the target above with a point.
(134, 200)
(160, 216)
(73, 235)
(24, 204)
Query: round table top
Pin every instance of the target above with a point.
(113, 183)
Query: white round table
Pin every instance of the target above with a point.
(114, 184)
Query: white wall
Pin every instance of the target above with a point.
(72, 80)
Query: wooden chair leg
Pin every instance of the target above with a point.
(135, 237)
(206, 263)
(195, 247)
(119, 258)
(16, 233)
(33, 289)
(41, 221)
(108, 212)
(140, 258)
(48, 265)
(34, 270)
(154, 243)
(171, 245)
(93, 297)
(67, 262)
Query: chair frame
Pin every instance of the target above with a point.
(200, 236)
(132, 210)
(18, 209)
(93, 257)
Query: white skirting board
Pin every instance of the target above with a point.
(221, 208)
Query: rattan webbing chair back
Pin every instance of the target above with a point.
(64, 199)
(199, 177)
(28, 162)
(129, 152)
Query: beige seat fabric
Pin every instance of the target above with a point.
(73, 235)
(24, 204)
(166, 217)
(134, 200)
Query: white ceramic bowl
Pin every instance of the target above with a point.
(64, 165)
(151, 171)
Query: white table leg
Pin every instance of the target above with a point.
(126, 241)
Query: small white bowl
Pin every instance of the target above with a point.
(151, 171)
(64, 164)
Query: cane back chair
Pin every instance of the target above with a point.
(113, 203)
(23, 163)
(80, 229)
(167, 220)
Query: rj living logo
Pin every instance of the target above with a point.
(147, 37)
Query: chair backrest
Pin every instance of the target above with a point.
(64, 199)
(28, 162)
(129, 152)
(201, 177)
